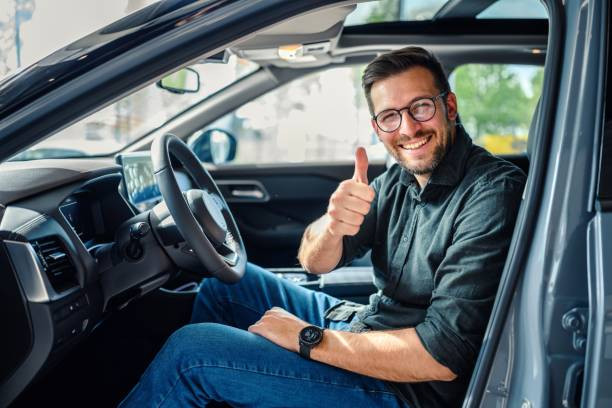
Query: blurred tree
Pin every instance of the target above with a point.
(492, 100)
(386, 10)
(536, 85)
(10, 32)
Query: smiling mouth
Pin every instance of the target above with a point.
(416, 145)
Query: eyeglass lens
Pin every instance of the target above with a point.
(420, 110)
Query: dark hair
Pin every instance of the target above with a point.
(398, 61)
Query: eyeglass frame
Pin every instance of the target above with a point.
(407, 108)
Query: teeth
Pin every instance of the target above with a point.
(415, 145)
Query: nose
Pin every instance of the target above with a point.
(409, 126)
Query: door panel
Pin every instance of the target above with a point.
(296, 196)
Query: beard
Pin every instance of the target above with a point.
(437, 155)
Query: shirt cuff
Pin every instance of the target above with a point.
(446, 347)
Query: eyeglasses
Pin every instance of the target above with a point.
(420, 110)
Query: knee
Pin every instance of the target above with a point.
(178, 342)
(194, 342)
(192, 335)
(212, 286)
(210, 290)
(211, 300)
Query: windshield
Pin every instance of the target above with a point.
(27, 31)
(125, 121)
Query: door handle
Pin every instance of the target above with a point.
(243, 191)
(572, 390)
(237, 192)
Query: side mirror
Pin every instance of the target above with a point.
(186, 80)
(213, 146)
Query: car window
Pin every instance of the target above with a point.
(406, 10)
(29, 29)
(321, 117)
(496, 103)
(514, 9)
(128, 119)
(394, 10)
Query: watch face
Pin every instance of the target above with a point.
(311, 335)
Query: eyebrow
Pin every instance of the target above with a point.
(416, 98)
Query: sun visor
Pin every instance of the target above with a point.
(304, 39)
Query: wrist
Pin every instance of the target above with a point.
(327, 235)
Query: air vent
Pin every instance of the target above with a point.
(56, 262)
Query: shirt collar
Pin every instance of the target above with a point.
(451, 168)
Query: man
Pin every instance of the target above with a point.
(438, 223)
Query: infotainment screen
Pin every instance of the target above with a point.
(139, 180)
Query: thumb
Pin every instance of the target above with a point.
(361, 166)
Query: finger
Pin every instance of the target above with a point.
(343, 200)
(359, 190)
(257, 329)
(340, 228)
(357, 205)
(346, 216)
(361, 166)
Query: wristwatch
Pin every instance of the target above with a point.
(309, 337)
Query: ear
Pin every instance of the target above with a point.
(451, 106)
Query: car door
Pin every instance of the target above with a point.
(544, 345)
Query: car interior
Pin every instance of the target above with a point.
(101, 276)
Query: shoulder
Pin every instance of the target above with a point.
(484, 170)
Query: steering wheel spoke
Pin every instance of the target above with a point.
(231, 249)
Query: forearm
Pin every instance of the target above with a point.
(394, 355)
(319, 251)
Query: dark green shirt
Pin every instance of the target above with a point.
(438, 253)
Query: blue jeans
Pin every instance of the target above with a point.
(220, 361)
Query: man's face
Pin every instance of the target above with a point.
(416, 146)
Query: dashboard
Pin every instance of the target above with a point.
(64, 225)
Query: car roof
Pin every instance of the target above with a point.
(453, 31)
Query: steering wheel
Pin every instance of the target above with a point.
(201, 215)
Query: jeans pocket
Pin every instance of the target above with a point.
(342, 311)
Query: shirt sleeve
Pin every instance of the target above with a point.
(466, 281)
(357, 245)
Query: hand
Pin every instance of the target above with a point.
(351, 201)
(280, 327)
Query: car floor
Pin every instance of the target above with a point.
(101, 370)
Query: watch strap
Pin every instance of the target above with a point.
(305, 350)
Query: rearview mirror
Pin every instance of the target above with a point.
(186, 80)
(213, 146)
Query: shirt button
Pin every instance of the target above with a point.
(405, 239)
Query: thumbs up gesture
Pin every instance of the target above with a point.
(351, 201)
